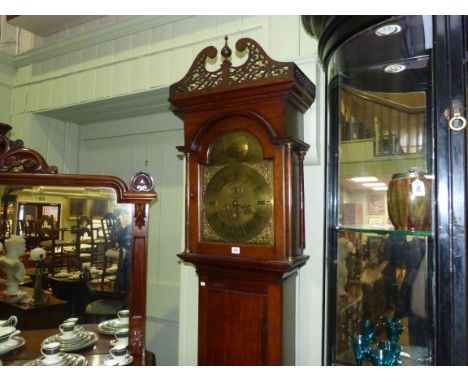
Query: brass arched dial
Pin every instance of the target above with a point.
(238, 203)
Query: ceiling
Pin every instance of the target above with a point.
(127, 106)
(46, 25)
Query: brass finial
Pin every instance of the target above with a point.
(226, 51)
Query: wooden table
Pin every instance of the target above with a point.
(95, 354)
(48, 314)
(68, 290)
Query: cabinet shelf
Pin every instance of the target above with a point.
(384, 230)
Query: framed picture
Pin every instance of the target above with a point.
(375, 221)
(77, 207)
(375, 203)
(99, 207)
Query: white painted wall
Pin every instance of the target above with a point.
(112, 148)
(7, 74)
(141, 54)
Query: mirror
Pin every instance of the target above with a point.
(72, 245)
(81, 229)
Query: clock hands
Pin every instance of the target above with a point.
(238, 210)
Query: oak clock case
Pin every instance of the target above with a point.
(244, 201)
(25, 174)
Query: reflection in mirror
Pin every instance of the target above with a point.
(86, 240)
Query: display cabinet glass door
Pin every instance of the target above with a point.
(380, 240)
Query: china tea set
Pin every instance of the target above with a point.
(57, 349)
(9, 338)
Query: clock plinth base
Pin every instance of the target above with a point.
(246, 310)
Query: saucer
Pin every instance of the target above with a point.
(111, 326)
(66, 359)
(82, 340)
(115, 342)
(128, 360)
(73, 338)
(11, 344)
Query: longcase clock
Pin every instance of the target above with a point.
(244, 201)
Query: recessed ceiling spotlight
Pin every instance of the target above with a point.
(387, 30)
(375, 184)
(395, 68)
(360, 179)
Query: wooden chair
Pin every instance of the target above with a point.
(109, 230)
(30, 234)
(5, 229)
(101, 302)
(84, 242)
(46, 237)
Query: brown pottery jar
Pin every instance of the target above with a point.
(409, 199)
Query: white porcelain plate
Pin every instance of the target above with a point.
(128, 360)
(65, 359)
(11, 344)
(82, 340)
(111, 326)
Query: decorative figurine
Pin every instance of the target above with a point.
(12, 265)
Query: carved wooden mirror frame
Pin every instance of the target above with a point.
(20, 165)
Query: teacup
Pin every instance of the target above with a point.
(67, 329)
(50, 352)
(12, 321)
(119, 353)
(123, 316)
(6, 332)
(121, 336)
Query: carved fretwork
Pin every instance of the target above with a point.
(258, 66)
(14, 157)
(140, 215)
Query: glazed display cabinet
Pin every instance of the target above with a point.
(396, 291)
